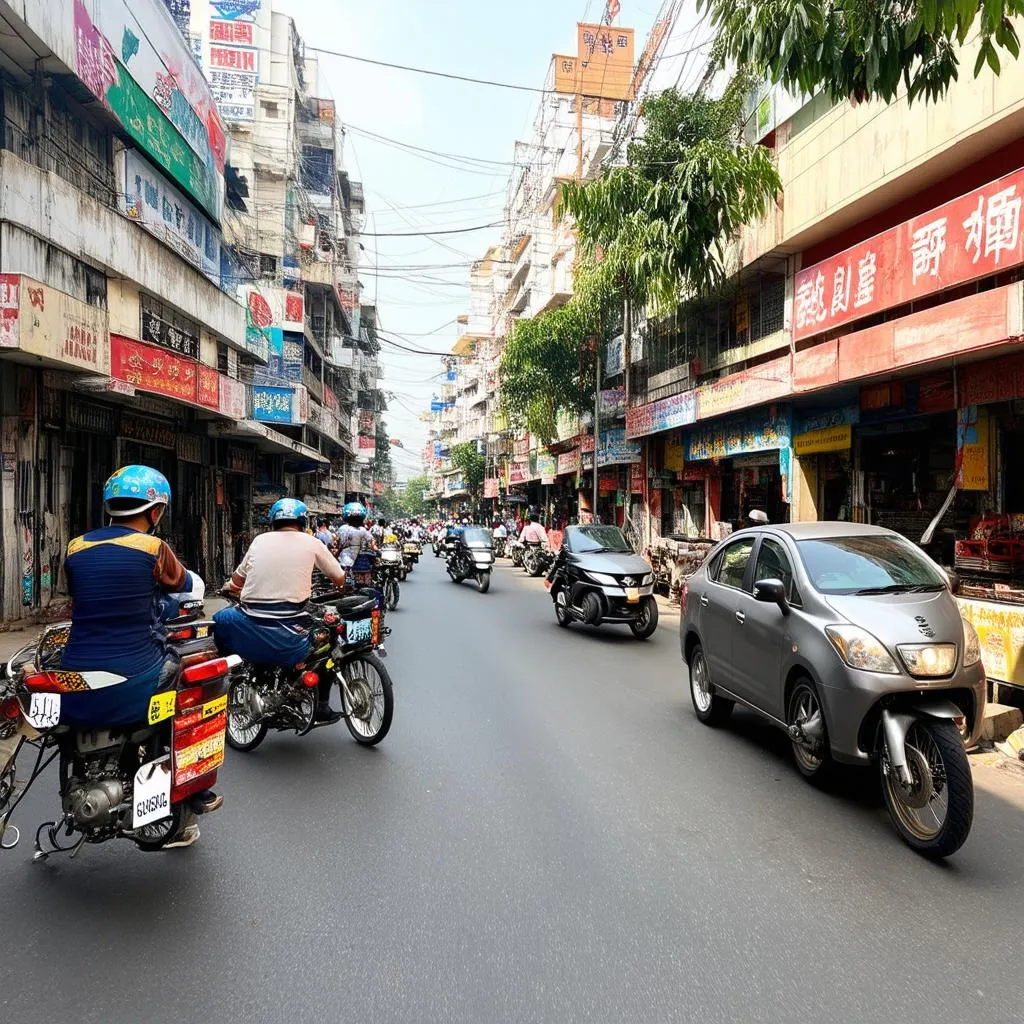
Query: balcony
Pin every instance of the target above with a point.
(313, 384)
(317, 271)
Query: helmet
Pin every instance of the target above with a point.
(354, 510)
(134, 489)
(287, 510)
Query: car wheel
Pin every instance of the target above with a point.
(708, 706)
(807, 731)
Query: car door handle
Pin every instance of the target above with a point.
(704, 602)
(740, 617)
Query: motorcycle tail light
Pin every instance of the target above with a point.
(310, 679)
(42, 682)
(209, 670)
(180, 634)
(10, 708)
(330, 618)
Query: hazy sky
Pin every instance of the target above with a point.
(505, 42)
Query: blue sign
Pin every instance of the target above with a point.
(236, 10)
(754, 431)
(290, 271)
(844, 416)
(293, 349)
(436, 405)
(271, 404)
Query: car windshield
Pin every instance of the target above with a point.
(868, 565)
(476, 537)
(598, 538)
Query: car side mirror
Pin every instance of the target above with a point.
(954, 581)
(772, 592)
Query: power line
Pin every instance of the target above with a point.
(427, 71)
(421, 234)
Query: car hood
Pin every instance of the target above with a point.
(618, 565)
(903, 618)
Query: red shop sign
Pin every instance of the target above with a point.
(971, 237)
(153, 369)
(998, 380)
(208, 391)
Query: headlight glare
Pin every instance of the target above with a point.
(860, 650)
(928, 661)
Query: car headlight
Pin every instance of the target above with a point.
(859, 649)
(928, 661)
(603, 578)
(647, 580)
(972, 645)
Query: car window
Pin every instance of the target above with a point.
(866, 564)
(773, 564)
(734, 563)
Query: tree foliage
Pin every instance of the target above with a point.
(863, 49)
(472, 465)
(412, 500)
(657, 228)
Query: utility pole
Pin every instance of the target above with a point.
(597, 417)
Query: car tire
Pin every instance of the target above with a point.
(804, 702)
(707, 705)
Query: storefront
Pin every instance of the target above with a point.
(823, 450)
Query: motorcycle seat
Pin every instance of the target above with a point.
(355, 606)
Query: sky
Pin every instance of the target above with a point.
(415, 194)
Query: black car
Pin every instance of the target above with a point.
(597, 578)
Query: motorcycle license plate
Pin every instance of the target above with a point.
(411, 549)
(161, 706)
(632, 595)
(151, 795)
(358, 632)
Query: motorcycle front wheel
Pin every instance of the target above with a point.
(483, 582)
(244, 732)
(368, 713)
(392, 592)
(647, 621)
(934, 814)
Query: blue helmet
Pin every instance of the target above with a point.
(287, 510)
(354, 510)
(134, 489)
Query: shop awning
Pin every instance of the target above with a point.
(266, 439)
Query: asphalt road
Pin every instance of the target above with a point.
(547, 834)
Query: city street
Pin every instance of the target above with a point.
(547, 834)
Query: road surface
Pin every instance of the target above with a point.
(547, 834)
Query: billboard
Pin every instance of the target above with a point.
(602, 66)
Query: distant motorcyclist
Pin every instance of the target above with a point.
(117, 577)
(533, 532)
(353, 537)
(274, 581)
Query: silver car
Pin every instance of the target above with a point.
(849, 638)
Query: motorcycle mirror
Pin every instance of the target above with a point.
(771, 592)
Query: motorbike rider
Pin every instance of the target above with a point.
(274, 580)
(353, 537)
(120, 632)
(533, 532)
(323, 534)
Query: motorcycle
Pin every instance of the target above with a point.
(472, 557)
(131, 781)
(499, 547)
(386, 574)
(438, 545)
(448, 544)
(515, 552)
(346, 634)
(536, 558)
(411, 551)
(596, 578)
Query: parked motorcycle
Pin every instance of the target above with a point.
(131, 781)
(596, 578)
(472, 558)
(345, 636)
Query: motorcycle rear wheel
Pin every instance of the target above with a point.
(941, 822)
(156, 835)
(243, 732)
(368, 716)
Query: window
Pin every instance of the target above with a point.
(734, 563)
(269, 108)
(773, 564)
(868, 564)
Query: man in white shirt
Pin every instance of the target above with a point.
(274, 581)
(533, 532)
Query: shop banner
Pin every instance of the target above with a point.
(153, 369)
(279, 405)
(676, 411)
(759, 430)
(612, 402)
(568, 462)
(454, 485)
(54, 325)
(786, 474)
(972, 448)
(758, 386)
(997, 380)
(232, 398)
(1001, 632)
(615, 450)
(547, 467)
(962, 240)
(208, 387)
(806, 421)
(367, 447)
(153, 203)
(824, 439)
(491, 487)
(154, 329)
(124, 54)
(674, 454)
(637, 477)
(10, 286)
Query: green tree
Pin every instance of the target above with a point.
(472, 465)
(863, 49)
(412, 500)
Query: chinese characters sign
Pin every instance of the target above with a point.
(151, 201)
(603, 65)
(974, 236)
(156, 330)
(9, 287)
(275, 405)
(153, 369)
